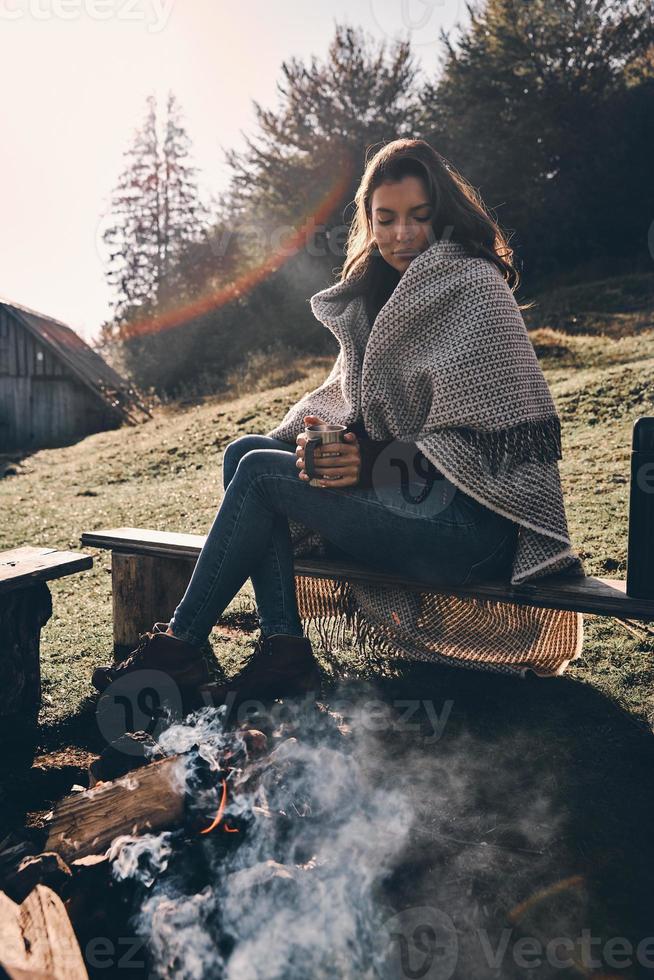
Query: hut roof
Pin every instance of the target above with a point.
(81, 360)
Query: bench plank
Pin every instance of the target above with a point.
(143, 541)
(22, 567)
(585, 594)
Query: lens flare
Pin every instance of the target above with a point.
(252, 277)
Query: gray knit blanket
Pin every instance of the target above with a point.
(448, 364)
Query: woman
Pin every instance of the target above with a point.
(399, 514)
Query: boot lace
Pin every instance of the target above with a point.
(136, 656)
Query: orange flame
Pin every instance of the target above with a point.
(221, 810)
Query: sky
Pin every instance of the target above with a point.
(74, 77)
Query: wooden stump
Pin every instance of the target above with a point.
(23, 613)
(146, 589)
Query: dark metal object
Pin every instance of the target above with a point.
(640, 553)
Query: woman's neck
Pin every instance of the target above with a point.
(383, 280)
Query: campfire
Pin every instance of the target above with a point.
(352, 838)
(211, 840)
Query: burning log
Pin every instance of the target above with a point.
(37, 939)
(147, 800)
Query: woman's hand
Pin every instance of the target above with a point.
(332, 470)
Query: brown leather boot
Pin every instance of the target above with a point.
(280, 666)
(158, 651)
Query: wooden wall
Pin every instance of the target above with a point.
(41, 402)
(21, 355)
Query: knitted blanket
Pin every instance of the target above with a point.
(448, 364)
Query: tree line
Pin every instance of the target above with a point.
(545, 106)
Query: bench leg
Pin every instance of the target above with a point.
(23, 613)
(146, 589)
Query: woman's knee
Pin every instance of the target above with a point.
(266, 464)
(236, 450)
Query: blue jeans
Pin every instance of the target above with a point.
(447, 538)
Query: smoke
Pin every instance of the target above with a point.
(143, 857)
(396, 845)
(295, 896)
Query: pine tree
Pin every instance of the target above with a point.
(133, 237)
(157, 215)
(184, 215)
(330, 114)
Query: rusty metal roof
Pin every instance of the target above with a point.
(84, 362)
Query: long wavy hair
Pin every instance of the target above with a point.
(459, 215)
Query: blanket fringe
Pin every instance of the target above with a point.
(504, 449)
(329, 606)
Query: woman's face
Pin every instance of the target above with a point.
(401, 220)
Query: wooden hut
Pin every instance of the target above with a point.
(54, 388)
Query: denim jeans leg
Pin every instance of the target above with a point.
(238, 544)
(274, 588)
(438, 544)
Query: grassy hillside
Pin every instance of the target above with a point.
(166, 474)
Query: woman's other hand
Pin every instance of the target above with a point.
(336, 465)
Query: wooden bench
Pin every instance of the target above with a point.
(25, 607)
(151, 569)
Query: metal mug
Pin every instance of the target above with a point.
(319, 434)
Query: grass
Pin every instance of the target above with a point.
(166, 474)
(544, 797)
